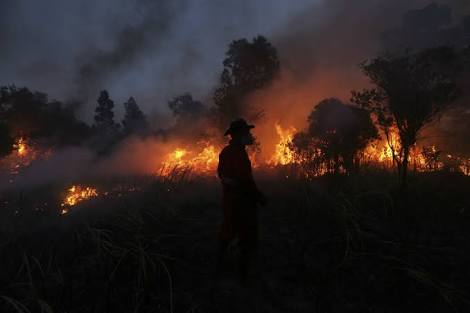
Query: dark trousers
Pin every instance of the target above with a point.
(240, 220)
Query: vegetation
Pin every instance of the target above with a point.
(31, 114)
(338, 131)
(357, 247)
(248, 66)
(134, 121)
(410, 91)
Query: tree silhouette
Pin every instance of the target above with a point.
(104, 114)
(105, 129)
(22, 110)
(184, 108)
(190, 116)
(31, 114)
(248, 66)
(410, 91)
(134, 121)
(340, 131)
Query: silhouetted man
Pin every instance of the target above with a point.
(240, 196)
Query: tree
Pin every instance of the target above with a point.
(191, 118)
(248, 66)
(410, 91)
(106, 131)
(22, 110)
(184, 108)
(104, 114)
(31, 114)
(134, 121)
(340, 130)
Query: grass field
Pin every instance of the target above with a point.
(330, 244)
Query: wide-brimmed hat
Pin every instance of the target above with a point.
(237, 126)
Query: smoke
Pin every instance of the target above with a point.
(155, 50)
(152, 50)
(321, 51)
(134, 156)
(64, 165)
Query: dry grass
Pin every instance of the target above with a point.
(326, 245)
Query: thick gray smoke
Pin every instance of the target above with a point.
(152, 50)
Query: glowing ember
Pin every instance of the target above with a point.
(76, 194)
(283, 154)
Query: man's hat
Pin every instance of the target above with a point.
(237, 126)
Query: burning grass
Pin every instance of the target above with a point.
(203, 162)
(202, 158)
(75, 195)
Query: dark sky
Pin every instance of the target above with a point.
(157, 49)
(152, 50)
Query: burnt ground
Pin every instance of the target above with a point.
(349, 244)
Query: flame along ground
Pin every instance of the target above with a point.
(203, 161)
(380, 153)
(75, 195)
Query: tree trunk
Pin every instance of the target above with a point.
(404, 168)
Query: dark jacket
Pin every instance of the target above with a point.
(234, 171)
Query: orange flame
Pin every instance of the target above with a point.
(202, 162)
(24, 153)
(21, 146)
(76, 194)
(283, 154)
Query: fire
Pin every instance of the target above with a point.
(465, 167)
(207, 159)
(283, 154)
(179, 153)
(202, 162)
(176, 157)
(21, 147)
(24, 153)
(382, 150)
(76, 194)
